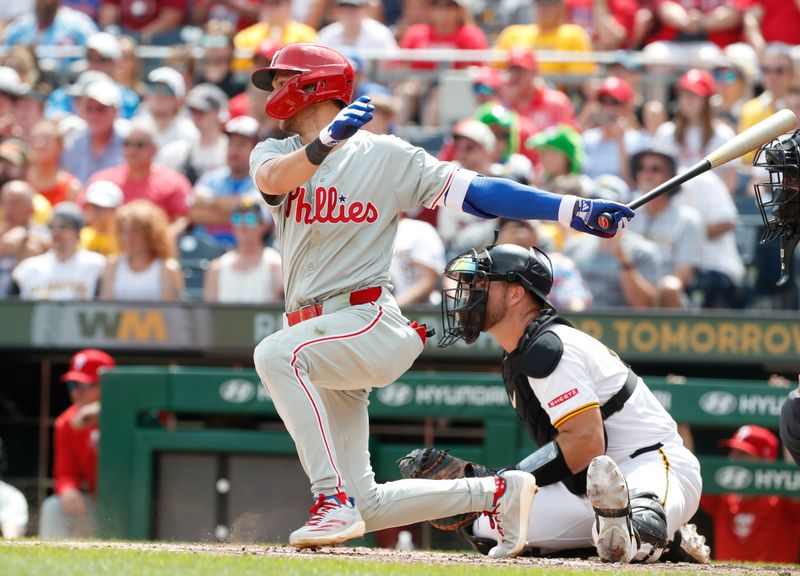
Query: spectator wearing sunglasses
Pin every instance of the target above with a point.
(675, 229)
(70, 512)
(66, 271)
(735, 78)
(140, 177)
(219, 192)
(251, 272)
(145, 269)
(777, 77)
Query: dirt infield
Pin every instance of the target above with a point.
(415, 557)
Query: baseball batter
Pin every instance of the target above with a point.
(585, 408)
(335, 193)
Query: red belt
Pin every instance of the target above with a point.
(364, 296)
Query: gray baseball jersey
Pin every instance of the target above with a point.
(337, 231)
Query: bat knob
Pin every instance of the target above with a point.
(605, 221)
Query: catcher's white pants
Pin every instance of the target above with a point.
(560, 520)
(319, 374)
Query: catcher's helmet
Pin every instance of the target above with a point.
(464, 306)
(779, 198)
(320, 73)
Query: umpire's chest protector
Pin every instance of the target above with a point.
(537, 355)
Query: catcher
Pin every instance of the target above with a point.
(612, 470)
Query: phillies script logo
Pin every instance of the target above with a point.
(563, 398)
(329, 206)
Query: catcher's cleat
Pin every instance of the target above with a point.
(510, 511)
(688, 546)
(334, 519)
(608, 494)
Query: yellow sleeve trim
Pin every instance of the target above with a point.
(576, 411)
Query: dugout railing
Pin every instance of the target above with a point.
(191, 453)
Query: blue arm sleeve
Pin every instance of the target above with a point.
(489, 197)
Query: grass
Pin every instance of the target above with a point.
(44, 560)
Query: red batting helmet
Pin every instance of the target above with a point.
(321, 73)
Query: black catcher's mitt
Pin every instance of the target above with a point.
(433, 464)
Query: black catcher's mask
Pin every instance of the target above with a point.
(464, 304)
(779, 198)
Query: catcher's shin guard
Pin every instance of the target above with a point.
(649, 525)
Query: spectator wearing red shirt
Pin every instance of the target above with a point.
(70, 512)
(450, 26)
(754, 528)
(149, 21)
(717, 21)
(609, 22)
(530, 97)
(768, 21)
(139, 177)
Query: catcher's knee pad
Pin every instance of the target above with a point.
(649, 524)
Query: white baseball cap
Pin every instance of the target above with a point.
(244, 126)
(104, 44)
(476, 131)
(105, 92)
(10, 81)
(171, 77)
(105, 194)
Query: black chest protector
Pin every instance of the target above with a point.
(537, 355)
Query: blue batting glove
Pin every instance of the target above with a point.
(586, 212)
(347, 122)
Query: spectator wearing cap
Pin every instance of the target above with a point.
(99, 145)
(274, 21)
(20, 236)
(140, 177)
(45, 173)
(216, 66)
(250, 272)
(100, 233)
(354, 29)
(694, 132)
(145, 269)
(560, 153)
(166, 90)
(53, 26)
(450, 25)
(528, 94)
(735, 77)
(10, 90)
(70, 512)
(754, 528)
(66, 271)
(609, 145)
(149, 21)
(473, 146)
(675, 228)
(551, 32)
(102, 55)
(208, 108)
(219, 192)
(608, 267)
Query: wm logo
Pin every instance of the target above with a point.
(127, 325)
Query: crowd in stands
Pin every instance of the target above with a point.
(124, 175)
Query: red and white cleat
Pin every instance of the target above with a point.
(334, 519)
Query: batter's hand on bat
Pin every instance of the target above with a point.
(347, 122)
(600, 217)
